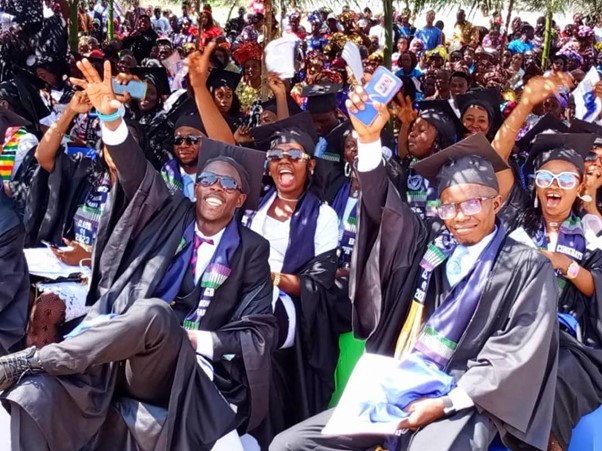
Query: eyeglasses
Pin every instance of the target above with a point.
(565, 180)
(189, 140)
(469, 207)
(293, 154)
(209, 179)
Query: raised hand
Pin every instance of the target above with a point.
(99, 90)
(199, 66)
(276, 84)
(540, 88)
(242, 135)
(405, 113)
(357, 102)
(80, 103)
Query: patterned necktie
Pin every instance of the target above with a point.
(454, 265)
(198, 240)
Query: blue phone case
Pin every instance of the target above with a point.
(137, 89)
(381, 88)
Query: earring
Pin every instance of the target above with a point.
(347, 169)
(535, 202)
(585, 198)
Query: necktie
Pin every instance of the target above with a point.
(454, 265)
(198, 240)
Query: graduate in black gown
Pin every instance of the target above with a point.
(153, 272)
(486, 317)
(560, 230)
(222, 85)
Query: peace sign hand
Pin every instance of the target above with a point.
(99, 91)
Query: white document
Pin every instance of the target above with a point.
(362, 385)
(280, 57)
(587, 105)
(43, 263)
(522, 237)
(351, 55)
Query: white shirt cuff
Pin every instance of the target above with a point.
(114, 137)
(460, 399)
(204, 344)
(369, 156)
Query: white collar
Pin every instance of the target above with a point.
(215, 238)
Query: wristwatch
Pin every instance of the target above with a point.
(448, 406)
(572, 271)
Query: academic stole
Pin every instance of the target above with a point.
(571, 242)
(422, 197)
(215, 275)
(437, 252)
(171, 174)
(348, 238)
(9, 151)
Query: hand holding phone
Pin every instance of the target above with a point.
(137, 89)
(381, 88)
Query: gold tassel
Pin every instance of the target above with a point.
(410, 330)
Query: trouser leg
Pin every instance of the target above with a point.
(307, 436)
(146, 338)
(25, 435)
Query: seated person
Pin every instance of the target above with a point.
(179, 173)
(160, 262)
(486, 317)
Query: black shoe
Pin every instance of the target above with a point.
(14, 366)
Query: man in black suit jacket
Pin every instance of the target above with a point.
(160, 261)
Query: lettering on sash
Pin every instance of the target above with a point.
(569, 251)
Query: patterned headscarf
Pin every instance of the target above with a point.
(247, 51)
(585, 32)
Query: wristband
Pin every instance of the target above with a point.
(277, 279)
(108, 117)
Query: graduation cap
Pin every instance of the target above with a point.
(548, 122)
(218, 78)
(26, 86)
(571, 147)
(471, 160)
(293, 107)
(321, 98)
(155, 75)
(301, 122)
(192, 120)
(13, 119)
(249, 163)
(488, 99)
(579, 126)
(440, 115)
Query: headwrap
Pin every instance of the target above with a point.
(247, 51)
(571, 53)
(328, 76)
(346, 16)
(585, 32)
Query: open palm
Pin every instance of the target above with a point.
(99, 91)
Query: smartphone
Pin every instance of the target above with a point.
(137, 89)
(49, 245)
(382, 87)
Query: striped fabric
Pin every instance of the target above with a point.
(9, 152)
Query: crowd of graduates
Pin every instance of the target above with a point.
(228, 235)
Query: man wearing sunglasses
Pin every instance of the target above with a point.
(181, 330)
(180, 172)
(453, 297)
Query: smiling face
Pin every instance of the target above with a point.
(469, 230)
(290, 176)
(475, 119)
(187, 153)
(421, 138)
(458, 86)
(150, 100)
(223, 98)
(214, 204)
(556, 202)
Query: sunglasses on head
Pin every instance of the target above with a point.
(565, 180)
(189, 140)
(209, 179)
(293, 154)
(468, 207)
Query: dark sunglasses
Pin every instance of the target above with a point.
(293, 154)
(210, 179)
(189, 140)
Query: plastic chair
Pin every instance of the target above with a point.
(351, 350)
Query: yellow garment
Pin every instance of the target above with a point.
(247, 95)
(464, 33)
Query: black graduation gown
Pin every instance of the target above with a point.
(14, 278)
(517, 306)
(138, 236)
(54, 198)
